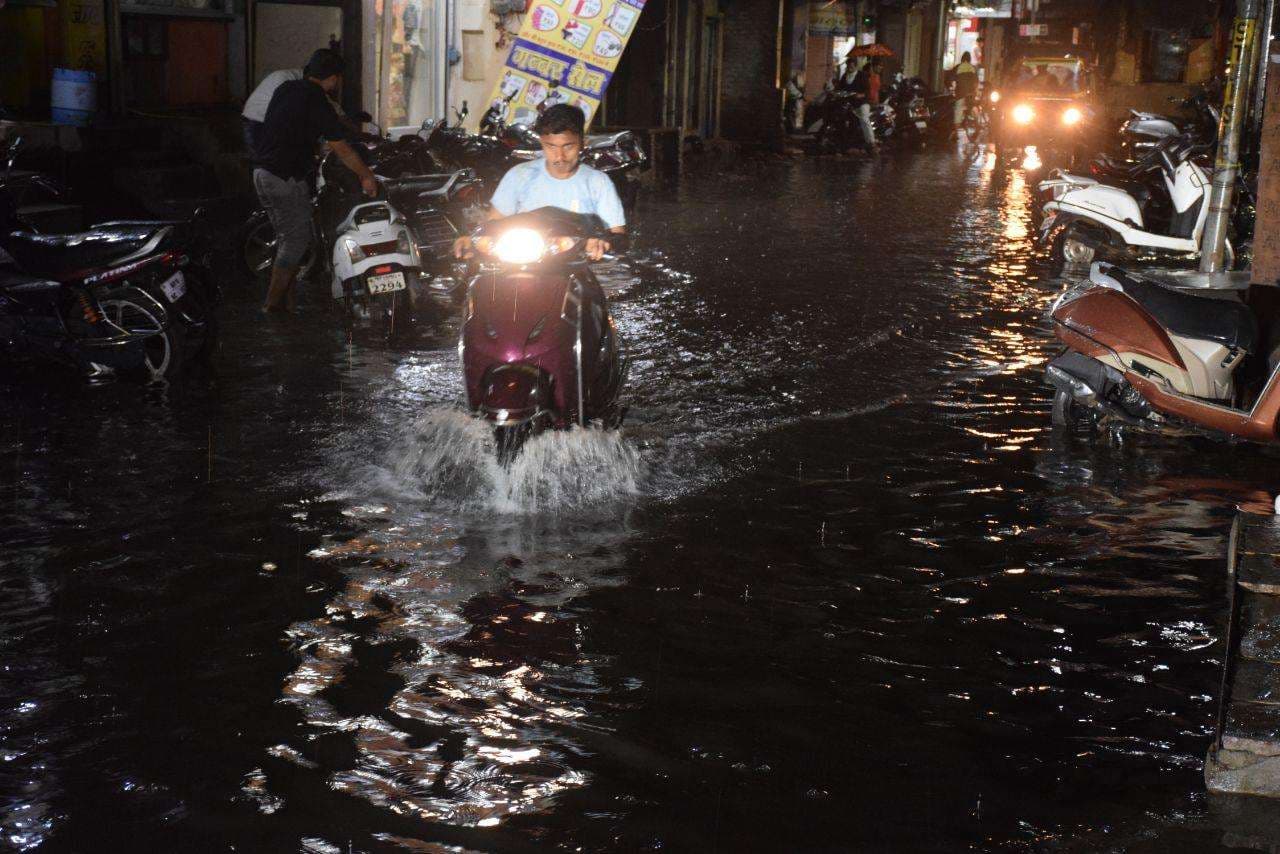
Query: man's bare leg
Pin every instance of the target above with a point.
(280, 291)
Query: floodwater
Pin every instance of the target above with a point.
(836, 586)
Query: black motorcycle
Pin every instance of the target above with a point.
(909, 97)
(126, 298)
(841, 128)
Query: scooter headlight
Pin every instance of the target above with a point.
(1071, 116)
(1023, 114)
(995, 97)
(520, 246)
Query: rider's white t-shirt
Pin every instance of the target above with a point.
(530, 186)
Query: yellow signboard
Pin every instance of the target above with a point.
(566, 53)
(86, 35)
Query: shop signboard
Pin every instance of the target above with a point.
(566, 53)
(832, 19)
(989, 9)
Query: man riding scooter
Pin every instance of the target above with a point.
(559, 180)
(538, 347)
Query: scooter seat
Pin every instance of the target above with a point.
(1227, 322)
(62, 255)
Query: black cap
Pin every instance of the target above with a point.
(324, 63)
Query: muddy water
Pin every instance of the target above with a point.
(836, 585)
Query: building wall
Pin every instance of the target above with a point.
(750, 101)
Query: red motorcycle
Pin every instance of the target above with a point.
(539, 348)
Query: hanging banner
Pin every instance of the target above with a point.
(566, 53)
(832, 19)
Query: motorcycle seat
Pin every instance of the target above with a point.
(1227, 322)
(61, 255)
(606, 140)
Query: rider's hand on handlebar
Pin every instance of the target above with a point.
(369, 184)
(596, 248)
(462, 247)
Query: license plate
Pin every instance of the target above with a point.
(174, 287)
(921, 124)
(1047, 225)
(385, 284)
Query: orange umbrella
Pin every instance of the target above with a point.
(871, 50)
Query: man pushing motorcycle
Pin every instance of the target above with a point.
(284, 154)
(559, 180)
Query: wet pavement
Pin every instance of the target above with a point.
(837, 586)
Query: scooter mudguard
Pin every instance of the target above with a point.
(516, 319)
(514, 393)
(1109, 326)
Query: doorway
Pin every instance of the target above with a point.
(408, 56)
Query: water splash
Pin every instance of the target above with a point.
(448, 456)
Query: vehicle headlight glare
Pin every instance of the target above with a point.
(520, 246)
(1072, 116)
(1023, 114)
(995, 97)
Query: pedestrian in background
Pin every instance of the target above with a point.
(965, 78)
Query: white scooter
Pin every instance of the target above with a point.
(388, 253)
(1085, 218)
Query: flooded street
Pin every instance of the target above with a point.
(836, 586)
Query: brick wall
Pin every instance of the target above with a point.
(750, 104)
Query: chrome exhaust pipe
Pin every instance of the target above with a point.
(1079, 390)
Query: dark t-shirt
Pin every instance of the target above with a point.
(298, 115)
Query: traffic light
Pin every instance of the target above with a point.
(868, 22)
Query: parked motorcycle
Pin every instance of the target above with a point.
(1141, 353)
(910, 98)
(389, 253)
(122, 298)
(1142, 130)
(840, 126)
(1087, 219)
(539, 348)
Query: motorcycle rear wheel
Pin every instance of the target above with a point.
(1072, 251)
(1069, 416)
(258, 249)
(134, 311)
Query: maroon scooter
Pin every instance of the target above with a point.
(539, 348)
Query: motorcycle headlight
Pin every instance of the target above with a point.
(995, 97)
(1023, 114)
(1071, 116)
(354, 252)
(520, 246)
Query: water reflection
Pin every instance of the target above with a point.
(836, 580)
